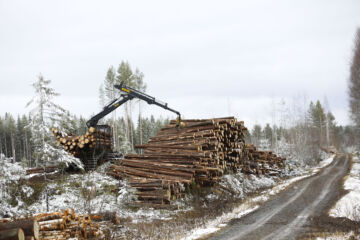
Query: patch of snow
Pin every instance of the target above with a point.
(326, 162)
(216, 224)
(349, 205)
(339, 236)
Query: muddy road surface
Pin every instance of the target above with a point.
(292, 213)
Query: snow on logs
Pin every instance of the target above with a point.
(76, 145)
(200, 152)
(56, 225)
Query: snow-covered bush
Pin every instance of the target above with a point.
(10, 192)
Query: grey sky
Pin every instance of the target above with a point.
(205, 58)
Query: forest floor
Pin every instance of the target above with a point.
(300, 211)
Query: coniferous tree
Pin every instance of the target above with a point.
(268, 134)
(256, 134)
(135, 80)
(318, 122)
(45, 115)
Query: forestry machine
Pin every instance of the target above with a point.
(101, 153)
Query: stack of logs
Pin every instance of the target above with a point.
(261, 162)
(47, 169)
(200, 152)
(76, 145)
(20, 229)
(56, 225)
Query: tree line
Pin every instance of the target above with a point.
(17, 142)
(305, 130)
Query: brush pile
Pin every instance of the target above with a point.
(200, 152)
(56, 225)
(78, 145)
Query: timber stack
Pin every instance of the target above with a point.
(19, 229)
(47, 169)
(200, 152)
(261, 162)
(77, 145)
(56, 225)
(92, 148)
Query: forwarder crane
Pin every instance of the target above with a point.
(101, 154)
(128, 93)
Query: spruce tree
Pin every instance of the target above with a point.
(45, 114)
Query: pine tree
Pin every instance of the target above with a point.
(268, 133)
(11, 135)
(354, 85)
(256, 134)
(135, 80)
(318, 122)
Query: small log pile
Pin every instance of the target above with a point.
(78, 145)
(261, 162)
(56, 225)
(47, 169)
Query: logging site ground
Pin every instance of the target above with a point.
(319, 202)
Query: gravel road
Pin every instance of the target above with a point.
(289, 214)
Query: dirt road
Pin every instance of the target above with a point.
(293, 212)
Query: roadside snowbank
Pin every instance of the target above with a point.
(349, 205)
(339, 236)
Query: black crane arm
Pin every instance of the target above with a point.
(128, 93)
(108, 109)
(143, 96)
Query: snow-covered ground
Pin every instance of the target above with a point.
(91, 192)
(253, 203)
(339, 236)
(349, 205)
(97, 192)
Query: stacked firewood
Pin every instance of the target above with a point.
(261, 162)
(77, 145)
(56, 225)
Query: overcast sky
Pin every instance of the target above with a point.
(205, 58)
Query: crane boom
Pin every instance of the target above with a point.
(128, 93)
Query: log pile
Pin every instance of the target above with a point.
(261, 162)
(56, 225)
(19, 229)
(78, 145)
(199, 153)
(47, 169)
